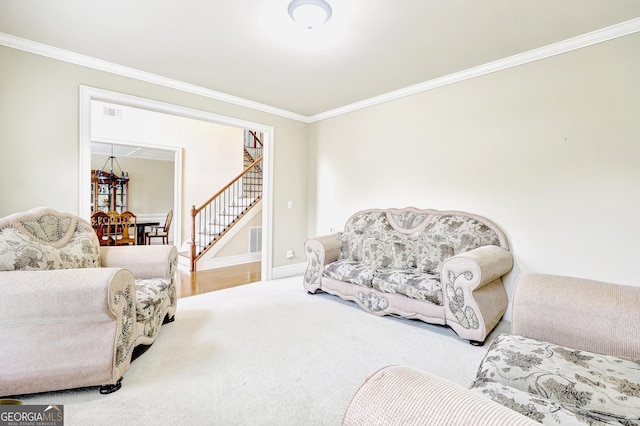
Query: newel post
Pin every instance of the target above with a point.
(193, 238)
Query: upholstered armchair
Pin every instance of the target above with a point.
(71, 312)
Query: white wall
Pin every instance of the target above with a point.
(550, 151)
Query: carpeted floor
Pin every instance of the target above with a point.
(266, 353)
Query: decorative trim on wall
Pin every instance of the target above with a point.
(110, 67)
(584, 40)
(578, 42)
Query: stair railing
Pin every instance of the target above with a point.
(252, 146)
(218, 214)
(257, 143)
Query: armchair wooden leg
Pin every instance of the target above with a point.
(107, 389)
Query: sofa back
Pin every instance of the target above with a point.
(412, 238)
(44, 239)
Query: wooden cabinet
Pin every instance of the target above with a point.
(109, 192)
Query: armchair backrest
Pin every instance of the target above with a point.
(43, 239)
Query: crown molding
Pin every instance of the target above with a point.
(584, 40)
(110, 67)
(608, 33)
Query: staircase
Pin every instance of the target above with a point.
(213, 219)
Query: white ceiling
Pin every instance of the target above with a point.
(252, 50)
(120, 151)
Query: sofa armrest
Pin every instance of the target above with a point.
(152, 261)
(405, 396)
(320, 251)
(579, 313)
(473, 293)
(94, 305)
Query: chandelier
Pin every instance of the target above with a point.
(110, 178)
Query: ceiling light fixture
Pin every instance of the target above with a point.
(310, 13)
(110, 177)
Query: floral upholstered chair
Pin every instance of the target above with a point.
(90, 304)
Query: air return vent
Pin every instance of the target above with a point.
(255, 239)
(112, 112)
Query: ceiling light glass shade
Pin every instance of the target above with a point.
(310, 13)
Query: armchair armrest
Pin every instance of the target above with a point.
(320, 251)
(579, 313)
(405, 396)
(95, 306)
(151, 261)
(62, 295)
(473, 293)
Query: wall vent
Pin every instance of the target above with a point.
(255, 239)
(112, 112)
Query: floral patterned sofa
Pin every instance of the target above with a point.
(573, 357)
(71, 311)
(441, 267)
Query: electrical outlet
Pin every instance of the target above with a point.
(289, 254)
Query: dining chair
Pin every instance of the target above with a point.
(100, 224)
(125, 229)
(160, 231)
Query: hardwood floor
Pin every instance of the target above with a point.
(193, 283)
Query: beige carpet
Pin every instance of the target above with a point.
(266, 353)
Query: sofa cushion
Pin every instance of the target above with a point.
(350, 271)
(448, 235)
(351, 245)
(382, 251)
(369, 221)
(579, 381)
(416, 285)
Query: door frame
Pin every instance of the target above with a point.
(88, 94)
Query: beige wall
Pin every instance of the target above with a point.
(150, 184)
(39, 161)
(548, 150)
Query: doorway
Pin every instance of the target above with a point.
(181, 206)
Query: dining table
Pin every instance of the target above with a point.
(140, 226)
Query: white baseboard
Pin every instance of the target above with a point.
(276, 273)
(220, 262)
(289, 270)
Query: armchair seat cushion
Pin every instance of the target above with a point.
(411, 283)
(151, 294)
(540, 409)
(583, 383)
